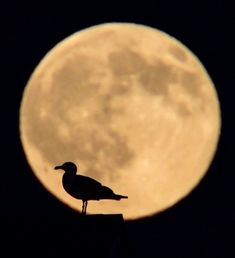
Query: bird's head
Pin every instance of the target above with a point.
(68, 167)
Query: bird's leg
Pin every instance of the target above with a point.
(85, 207)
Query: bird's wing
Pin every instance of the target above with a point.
(87, 183)
(90, 185)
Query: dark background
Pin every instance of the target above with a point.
(35, 223)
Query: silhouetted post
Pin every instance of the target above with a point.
(100, 235)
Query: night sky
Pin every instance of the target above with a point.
(33, 222)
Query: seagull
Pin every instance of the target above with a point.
(83, 187)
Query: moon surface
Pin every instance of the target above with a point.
(132, 106)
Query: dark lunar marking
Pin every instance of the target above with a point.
(183, 109)
(115, 151)
(71, 82)
(178, 53)
(125, 62)
(43, 134)
(104, 114)
(71, 99)
(191, 83)
(75, 71)
(108, 150)
(156, 78)
(120, 88)
(108, 111)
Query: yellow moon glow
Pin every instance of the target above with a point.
(132, 107)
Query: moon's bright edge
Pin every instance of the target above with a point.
(132, 107)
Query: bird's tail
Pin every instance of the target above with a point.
(118, 197)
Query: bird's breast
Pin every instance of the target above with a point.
(68, 183)
(74, 187)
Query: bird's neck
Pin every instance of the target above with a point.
(70, 173)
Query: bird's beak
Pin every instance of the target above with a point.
(58, 167)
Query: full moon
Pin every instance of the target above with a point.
(132, 106)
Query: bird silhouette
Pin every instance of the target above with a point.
(83, 187)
